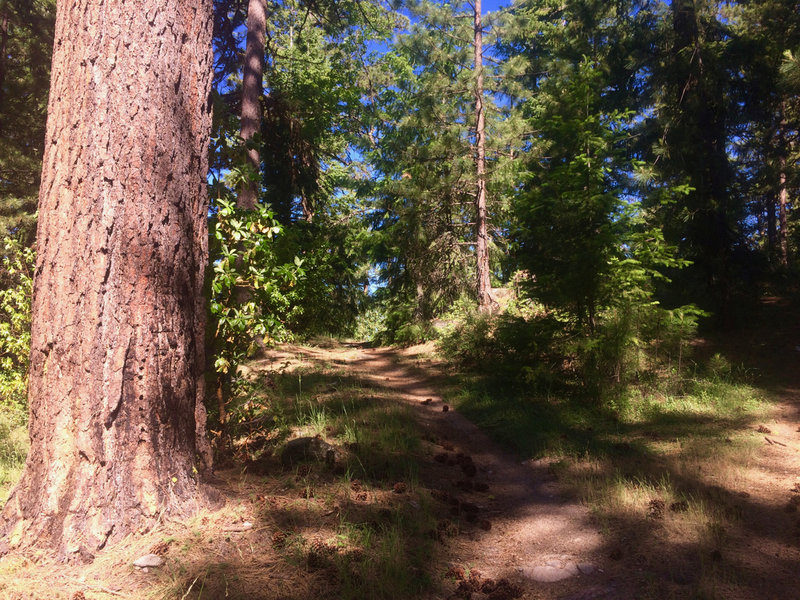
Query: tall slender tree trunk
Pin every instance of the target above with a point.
(251, 119)
(3, 54)
(252, 89)
(783, 201)
(783, 193)
(772, 226)
(481, 229)
(116, 378)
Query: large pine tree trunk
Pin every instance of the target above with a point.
(252, 89)
(481, 229)
(116, 414)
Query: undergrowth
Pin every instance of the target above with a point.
(13, 449)
(358, 527)
(654, 442)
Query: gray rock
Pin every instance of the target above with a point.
(548, 573)
(314, 449)
(148, 560)
(586, 568)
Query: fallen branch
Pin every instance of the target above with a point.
(99, 588)
(775, 442)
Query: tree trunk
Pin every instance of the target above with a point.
(772, 228)
(783, 193)
(116, 377)
(481, 230)
(252, 89)
(783, 201)
(3, 54)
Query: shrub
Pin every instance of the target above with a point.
(543, 349)
(15, 323)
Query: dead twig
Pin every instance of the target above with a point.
(775, 442)
(99, 588)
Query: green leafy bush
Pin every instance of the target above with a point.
(252, 295)
(545, 349)
(370, 323)
(251, 292)
(15, 323)
(403, 328)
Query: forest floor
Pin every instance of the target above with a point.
(418, 502)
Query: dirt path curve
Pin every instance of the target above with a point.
(526, 533)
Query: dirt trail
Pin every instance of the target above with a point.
(521, 527)
(538, 539)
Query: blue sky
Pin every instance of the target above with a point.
(493, 5)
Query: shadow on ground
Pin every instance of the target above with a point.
(384, 524)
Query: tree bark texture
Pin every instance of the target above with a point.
(115, 395)
(481, 228)
(252, 88)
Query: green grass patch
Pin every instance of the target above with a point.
(13, 449)
(381, 546)
(662, 467)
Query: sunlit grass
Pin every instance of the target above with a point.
(662, 465)
(13, 450)
(382, 546)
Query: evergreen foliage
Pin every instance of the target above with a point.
(425, 216)
(26, 41)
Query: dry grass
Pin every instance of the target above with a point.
(691, 491)
(312, 531)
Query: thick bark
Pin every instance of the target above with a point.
(252, 89)
(116, 378)
(481, 229)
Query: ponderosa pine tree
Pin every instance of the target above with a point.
(767, 128)
(695, 111)
(26, 39)
(116, 414)
(437, 157)
(484, 284)
(252, 90)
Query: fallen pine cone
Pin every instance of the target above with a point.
(469, 469)
(656, 509)
(278, 540)
(159, 548)
(456, 572)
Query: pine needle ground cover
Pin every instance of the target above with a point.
(691, 476)
(362, 527)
